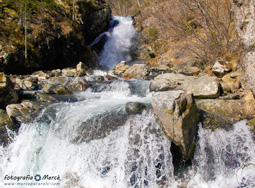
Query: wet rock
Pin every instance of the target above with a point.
(58, 80)
(55, 89)
(23, 112)
(100, 126)
(45, 98)
(214, 121)
(6, 121)
(99, 78)
(121, 68)
(178, 115)
(137, 71)
(27, 85)
(221, 67)
(110, 78)
(135, 107)
(77, 85)
(231, 110)
(7, 93)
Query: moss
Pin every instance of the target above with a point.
(170, 111)
(251, 124)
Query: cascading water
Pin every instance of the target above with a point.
(118, 44)
(93, 143)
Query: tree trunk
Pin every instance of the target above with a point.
(244, 11)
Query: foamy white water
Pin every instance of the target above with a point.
(117, 46)
(124, 157)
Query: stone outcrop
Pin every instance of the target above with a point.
(168, 81)
(201, 87)
(178, 115)
(55, 89)
(7, 93)
(54, 40)
(245, 25)
(137, 71)
(24, 111)
(231, 110)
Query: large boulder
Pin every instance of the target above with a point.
(25, 84)
(167, 81)
(78, 84)
(201, 87)
(24, 111)
(55, 89)
(178, 115)
(137, 71)
(7, 93)
(231, 110)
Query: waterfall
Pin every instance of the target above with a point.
(118, 44)
(134, 153)
(91, 142)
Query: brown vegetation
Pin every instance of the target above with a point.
(203, 29)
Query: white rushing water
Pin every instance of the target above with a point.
(93, 143)
(117, 46)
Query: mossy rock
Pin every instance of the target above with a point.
(214, 121)
(251, 124)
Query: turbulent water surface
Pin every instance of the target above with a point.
(93, 143)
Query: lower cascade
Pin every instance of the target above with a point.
(92, 142)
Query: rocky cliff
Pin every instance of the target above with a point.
(43, 35)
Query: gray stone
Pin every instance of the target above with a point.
(168, 81)
(24, 111)
(178, 115)
(203, 87)
(55, 89)
(79, 84)
(135, 107)
(25, 84)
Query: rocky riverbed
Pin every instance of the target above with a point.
(180, 101)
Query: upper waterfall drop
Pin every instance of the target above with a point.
(118, 44)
